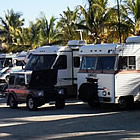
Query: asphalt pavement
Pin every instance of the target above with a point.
(77, 121)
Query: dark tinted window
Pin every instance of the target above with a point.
(8, 62)
(88, 63)
(28, 78)
(20, 80)
(98, 63)
(1, 62)
(20, 63)
(61, 62)
(127, 62)
(106, 63)
(76, 62)
(11, 80)
(38, 62)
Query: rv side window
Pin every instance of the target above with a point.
(61, 62)
(76, 62)
(127, 62)
(11, 80)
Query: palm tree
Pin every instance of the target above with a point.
(10, 26)
(133, 10)
(119, 25)
(48, 33)
(68, 25)
(95, 17)
(28, 37)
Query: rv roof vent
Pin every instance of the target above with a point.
(76, 43)
(133, 39)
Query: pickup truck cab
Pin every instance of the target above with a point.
(35, 89)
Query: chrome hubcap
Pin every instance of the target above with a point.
(30, 103)
(11, 101)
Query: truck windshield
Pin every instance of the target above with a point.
(5, 62)
(88, 63)
(38, 62)
(1, 62)
(98, 63)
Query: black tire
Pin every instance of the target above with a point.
(125, 103)
(60, 103)
(31, 103)
(88, 92)
(93, 104)
(12, 101)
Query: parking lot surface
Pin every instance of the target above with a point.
(77, 121)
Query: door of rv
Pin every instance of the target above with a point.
(64, 64)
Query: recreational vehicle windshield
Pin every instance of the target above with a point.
(43, 61)
(109, 73)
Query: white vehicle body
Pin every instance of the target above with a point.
(9, 63)
(21, 56)
(113, 70)
(28, 55)
(63, 58)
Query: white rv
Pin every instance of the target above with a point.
(9, 63)
(63, 58)
(110, 73)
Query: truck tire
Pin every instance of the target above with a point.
(125, 103)
(88, 92)
(31, 103)
(12, 101)
(60, 102)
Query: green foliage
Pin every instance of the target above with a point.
(98, 22)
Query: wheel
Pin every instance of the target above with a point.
(12, 101)
(31, 103)
(88, 92)
(60, 103)
(93, 104)
(125, 103)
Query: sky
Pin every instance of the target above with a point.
(31, 8)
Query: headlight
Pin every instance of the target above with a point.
(60, 91)
(104, 93)
(40, 93)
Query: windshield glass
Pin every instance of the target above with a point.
(88, 63)
(38, 62)
(5, 62)
(28, 78)
(1, 62)
(106, 63)
(98, 63)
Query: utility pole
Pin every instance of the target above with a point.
(119, 20)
